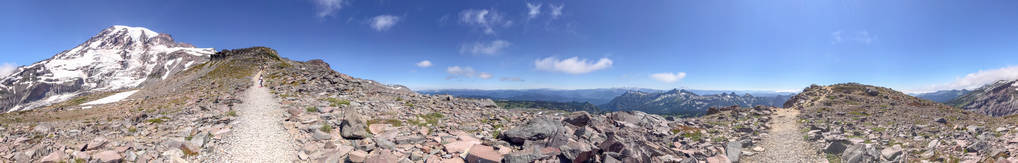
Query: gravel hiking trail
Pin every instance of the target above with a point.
(258, 134)
(784, 142)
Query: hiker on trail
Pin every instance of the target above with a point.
(262, 68)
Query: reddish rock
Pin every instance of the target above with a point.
(357, 156)
(483, 154)
(56, 156)
(108, 156)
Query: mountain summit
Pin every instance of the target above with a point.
(119, 57)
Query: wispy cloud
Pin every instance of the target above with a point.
(424, 64)
(486, 20)
(668, 77)
(573, 65)
(384, 22)
(457, 71)
(863, 37)
(7, 69)
(977, 79)
(511, 79)
(326, 8)
(556, 10)
(484, 75)
(534, 10)
(465, 72)
(481, 48)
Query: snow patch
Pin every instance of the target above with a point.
(112, 98)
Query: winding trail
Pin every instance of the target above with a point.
(784, 142)
(258, 135)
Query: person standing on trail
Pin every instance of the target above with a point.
(260, 81)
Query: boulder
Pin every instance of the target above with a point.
(381, 156)
(837, 147)
(108, 156)
(483, 154)
(352, 126)
(96, 143)
(54, 157)
(857, 153)
(734, 149)
(320, 135)
(891, 153)
(580, 118)
(535, 129)
(978, 146)
(357, 156)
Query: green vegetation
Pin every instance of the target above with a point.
(858, 113)
(833, 158)
(567, 106)
(393, 122)
(333, 102)
(311, 109)
(695, 136)
(231, 113)
(430, 119)
(326, 127)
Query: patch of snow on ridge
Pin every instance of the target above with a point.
(112, 98)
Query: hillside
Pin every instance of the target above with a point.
(997, 99)
(854, 122)
(682, 102)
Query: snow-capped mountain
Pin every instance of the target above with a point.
(119, 57)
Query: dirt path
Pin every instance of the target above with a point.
(784, 142)
(258, 135)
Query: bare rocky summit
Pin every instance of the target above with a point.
(861, 123)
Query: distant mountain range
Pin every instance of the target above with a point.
(598, 96)
(942, 96)
(683, 102)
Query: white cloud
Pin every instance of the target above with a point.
(424, 64)
(384, 22)
(668, 77)
(7, 69)
(535, 9)
(457, 71)
(556, 10)
(328, 7)
(492, 48)
(573, 65)
(978, 79)
(511, 79)
(484, 75)
(485, 19)
(863, 37)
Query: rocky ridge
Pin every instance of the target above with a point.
(997, 99)
(861, 123)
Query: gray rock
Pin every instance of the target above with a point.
(535, 129)
(857, 153)
(410, 139)
(352, 126)
(384, 143)
(580, 118)
(734, 150)
(837, 147)
(319, 135)
(977, 146)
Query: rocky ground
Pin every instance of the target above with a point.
(181, 120)
(861, 123)
(328, 116)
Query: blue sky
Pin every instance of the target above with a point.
(912, 45)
